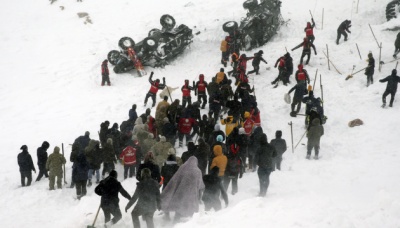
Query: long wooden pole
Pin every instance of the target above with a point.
(374, 36)
(62, 147)
(358, 51)
(327, 53)
(332, 63)
(380, 54)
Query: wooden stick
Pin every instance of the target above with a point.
(358, 1)
(374, 35)
(315, 79)
(327, 52)
(380, 54)
(397, 63)
(322, 26)
(358, 51)
(332, 63)
(62, 147)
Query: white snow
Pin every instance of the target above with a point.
(51, 91)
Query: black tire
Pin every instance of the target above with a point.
(150, 44)
(113, 56)
(154, 33)
(250, 4)
(167, 22)
(230, 26)
(126, 42)
(391, 9)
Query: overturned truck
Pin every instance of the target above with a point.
(160, 46)
(258, 27)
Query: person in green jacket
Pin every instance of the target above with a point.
(54, 166)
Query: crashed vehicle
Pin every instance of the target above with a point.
(155, 50)
(257, 28)
(392, 9)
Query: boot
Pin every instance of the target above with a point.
(308, 156)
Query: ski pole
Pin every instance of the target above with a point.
(291, 132)
(301, 139)
(62, 147)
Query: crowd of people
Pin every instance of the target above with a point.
(221, 145)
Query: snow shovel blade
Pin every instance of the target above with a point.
(348, 77)
(287, 98)
(293, 114)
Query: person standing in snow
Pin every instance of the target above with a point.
(314, 135)
(369, 71)
(281, 64)
(186, 98)
(397, 45)
(309, 30)
(147, 194)
(105, 75)
(169, 169)
(280, 147)
(108, 189)
(213, 190)
(225, 46)
(183, 192)
(155, 86)
(307, 45)
(54, 165)
(93, 155)
(256, 62)
(80, 171)
(264, 159)
(300, 90)
(343, 28)
(42, 159)
(128, 157)
(200, 91)
(391, 87)
(25, 166)
(234, 168)
(301, 74)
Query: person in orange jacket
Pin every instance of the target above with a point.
(220, 160)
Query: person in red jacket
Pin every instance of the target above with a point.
(128, 157)
(309, 30)
(255, 116)
(242, 67)
(302, 75)
(281, 64)
(248, 124)
(185, 126)
(105, 73)
(200, 90)
(155, 86)
(186, 98)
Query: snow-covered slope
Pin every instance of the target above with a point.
(50, 91)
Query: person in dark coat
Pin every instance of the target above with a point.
(149, 162)
(391, 87)
(280, 147)
(80, 170)
(397, 45)
(314, 135)
(25, 166)
(132, 113)
(83, 140)
(369, 71)
(234, 168)
(108, 157)
(343, 28)
(281, 64)
(300, 90)
(243, 141)
(42, 159)
(105, 74)
(215, 104)
(307, 45)
(212, 191)
(191, 149)
(108, 189)
(202, 152)
(169, 169)
(288, 66)
(93, 155)
(115, 135)
(254, 144)
(147, 195)
(264, 156)
(256, 62)
(169, 131)
(212, 87)
(103, 132)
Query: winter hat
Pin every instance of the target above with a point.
(150, 136)
(260, 52)
(221, 70)
(370, 55)
(113, 173)
(145, 173)
(24, 147)
(394, 72)
(163, 139)
(246, 115)
(56, 149)
(191, 146)
(157, 80)
(171, 151)
(278, 134)
(217, 127)
(166, 120)
(45, 145)
(217, 149)
(171, 157)
(87, 133)
(300, 66)
(241, 131)
(107, 122)
(134, 106)
(263, 139)
(220, 138)
(165, 98)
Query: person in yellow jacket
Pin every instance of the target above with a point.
(220, 160)
(230, 124)
(220, 77)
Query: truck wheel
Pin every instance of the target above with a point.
(125, 43)
(113, 56)
(250, 4)
(167, 22)
(150, 44)
(230, 26)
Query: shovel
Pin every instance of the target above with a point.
(351, 75)
(95, 218)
